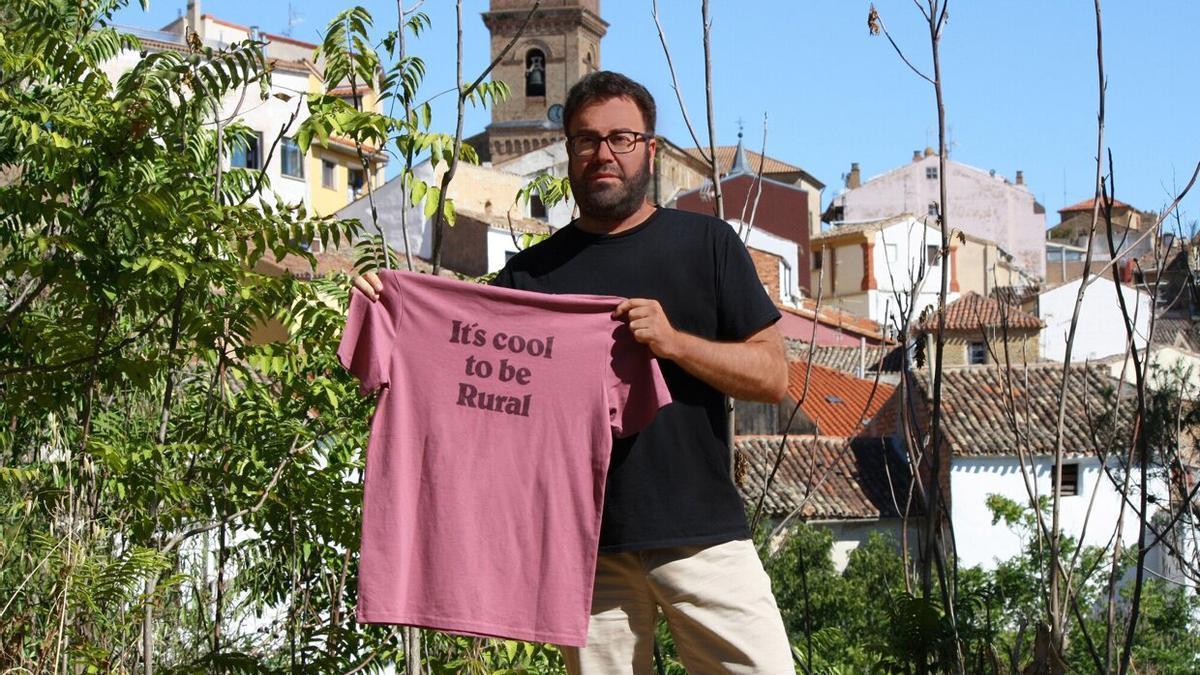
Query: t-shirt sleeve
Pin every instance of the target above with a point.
(503, 278)
(366, 341)
(743, 306)
(635, 385)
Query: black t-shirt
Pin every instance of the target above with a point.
(670, 484)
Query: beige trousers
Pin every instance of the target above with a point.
(717, 601)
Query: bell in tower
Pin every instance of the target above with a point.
(535, 73)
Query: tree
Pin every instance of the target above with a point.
(151, 444)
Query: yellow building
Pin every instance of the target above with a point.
(335, 172)
(326, 178)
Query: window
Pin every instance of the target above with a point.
(891, 251)
(535, 73)
(933, 256)
(353, 101)
(931, 172)
(354, 181)
(291, 159)
(933, 209)
(328, 177)
(248, 156)
(817, 260)
(537, 209)
(976, 353)
(1070, 479)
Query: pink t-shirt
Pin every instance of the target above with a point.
(488, 452)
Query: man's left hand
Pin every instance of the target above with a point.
(650, 326)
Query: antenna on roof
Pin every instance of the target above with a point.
(294, 19)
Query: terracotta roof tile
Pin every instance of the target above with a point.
(977, 420)
(839, 404)
(725, 155)
(1086, 205)
(520, 224)
(846, 359)
(1014, 295)
(1176, 332)
(348, 90)
(825, 478)
(973, 312)
(864, 226)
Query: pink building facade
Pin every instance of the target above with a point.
(981, 203)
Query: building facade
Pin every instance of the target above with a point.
(1101, 331)
(882, 269)
(324, 179)
(982, 331)
(981, 203)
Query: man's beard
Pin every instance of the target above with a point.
(612, 202)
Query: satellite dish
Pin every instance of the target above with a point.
(555, 114)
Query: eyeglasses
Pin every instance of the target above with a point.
(620, 142)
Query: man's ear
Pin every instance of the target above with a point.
(652, 147)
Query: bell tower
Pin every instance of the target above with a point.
(560, 45)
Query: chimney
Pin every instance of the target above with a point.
(916, 155)
(855, 178)
(1020, 177)
(253, 32)
(928, 151)
(1126, 271)
(193, 17)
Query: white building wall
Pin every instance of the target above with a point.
(849, 535)
(980, 542)
(475, 188)
(390, 200)
(898, 255)
(1169, 366)
(1101, 329)
(500, 248)
(266, 116)
(551, 159)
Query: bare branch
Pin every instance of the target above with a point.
(876, 25)
(439, 216)
(718, 201)
(662, 37)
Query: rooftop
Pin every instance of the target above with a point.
(973, 312)
(862, 226)
(990, 411)
(1087, 205)
(1176, 332)
(846, 359)
(838, 403)
(769, 165)
(837, 318)
(825, 478)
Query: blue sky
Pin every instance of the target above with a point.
(1019, 78)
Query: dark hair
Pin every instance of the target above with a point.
(603, 85)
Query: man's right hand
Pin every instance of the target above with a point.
(369, 284)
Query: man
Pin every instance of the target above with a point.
(673, 535)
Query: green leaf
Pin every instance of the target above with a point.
(431, 201)
(418, 190)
